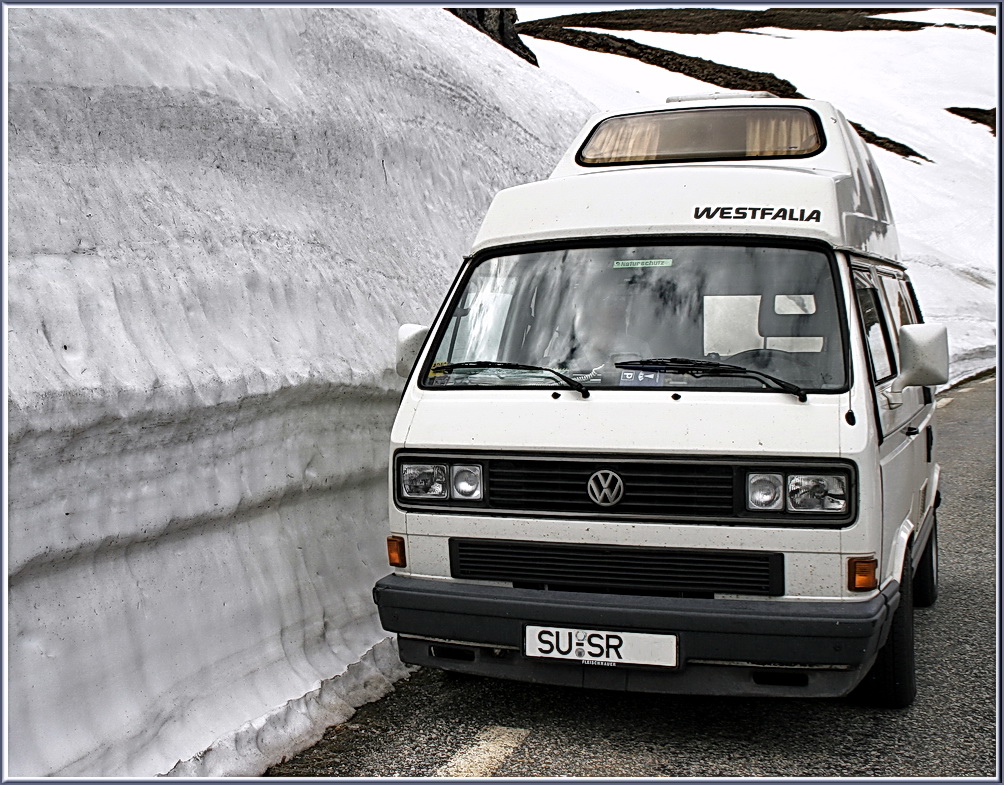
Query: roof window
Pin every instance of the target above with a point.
(711, 134)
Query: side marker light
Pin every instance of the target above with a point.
(862, 574)
(395, 552)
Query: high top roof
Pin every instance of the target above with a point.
(829, 190)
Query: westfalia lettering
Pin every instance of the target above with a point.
(761, 213)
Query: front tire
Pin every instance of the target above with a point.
(925, 581)
(892, 681)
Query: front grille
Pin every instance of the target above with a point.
(618, 569)
(650, 488)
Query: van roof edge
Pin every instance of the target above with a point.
(721, 95)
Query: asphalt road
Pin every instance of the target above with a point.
(437, 724)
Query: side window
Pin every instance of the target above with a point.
(873, 324)
(914, 302)
(899, 300)
(892, 297)
(908, 303)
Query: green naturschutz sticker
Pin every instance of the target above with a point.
(643, 263)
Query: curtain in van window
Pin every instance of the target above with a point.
(632, 139)
(775, 133)
(703, 134)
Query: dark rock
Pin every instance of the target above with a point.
(499, 24)
(727, 76)
(886, 143)
(987, 117)
(706, 21)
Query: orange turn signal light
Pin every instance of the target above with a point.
(395, 552)
(862, 574)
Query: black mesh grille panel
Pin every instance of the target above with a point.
(650, 488)
(618, 569)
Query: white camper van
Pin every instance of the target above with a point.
(673, 428)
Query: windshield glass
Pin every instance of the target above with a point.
(718, 133)
(579, 311)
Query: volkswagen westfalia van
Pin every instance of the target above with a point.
(673, 427)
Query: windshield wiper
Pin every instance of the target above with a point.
(698, 368)
(481, 364)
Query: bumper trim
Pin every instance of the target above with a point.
(769, 633)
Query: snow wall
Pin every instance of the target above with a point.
(217, 220)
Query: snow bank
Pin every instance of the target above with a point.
(217, 219)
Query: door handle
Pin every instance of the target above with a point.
(911, 431)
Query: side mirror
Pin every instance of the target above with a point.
(923, 354)
(410, 338)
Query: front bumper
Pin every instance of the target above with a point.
(727, 647)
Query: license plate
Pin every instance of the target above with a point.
(600, 647)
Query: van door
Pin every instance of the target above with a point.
(902, 310)
(903, 430)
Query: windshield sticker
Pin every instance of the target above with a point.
(763, 213)
(642, 378)
(642, 263)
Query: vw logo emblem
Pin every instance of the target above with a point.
(605, 488)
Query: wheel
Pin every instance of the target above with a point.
(925, 580)
(892, 681)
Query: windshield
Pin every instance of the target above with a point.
(580, 311)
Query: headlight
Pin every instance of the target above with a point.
(424, 481)
(817, 493)
(765, 491)
(466, 482)
(797, 493)
(430, 481)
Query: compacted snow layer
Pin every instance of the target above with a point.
(217, 220)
